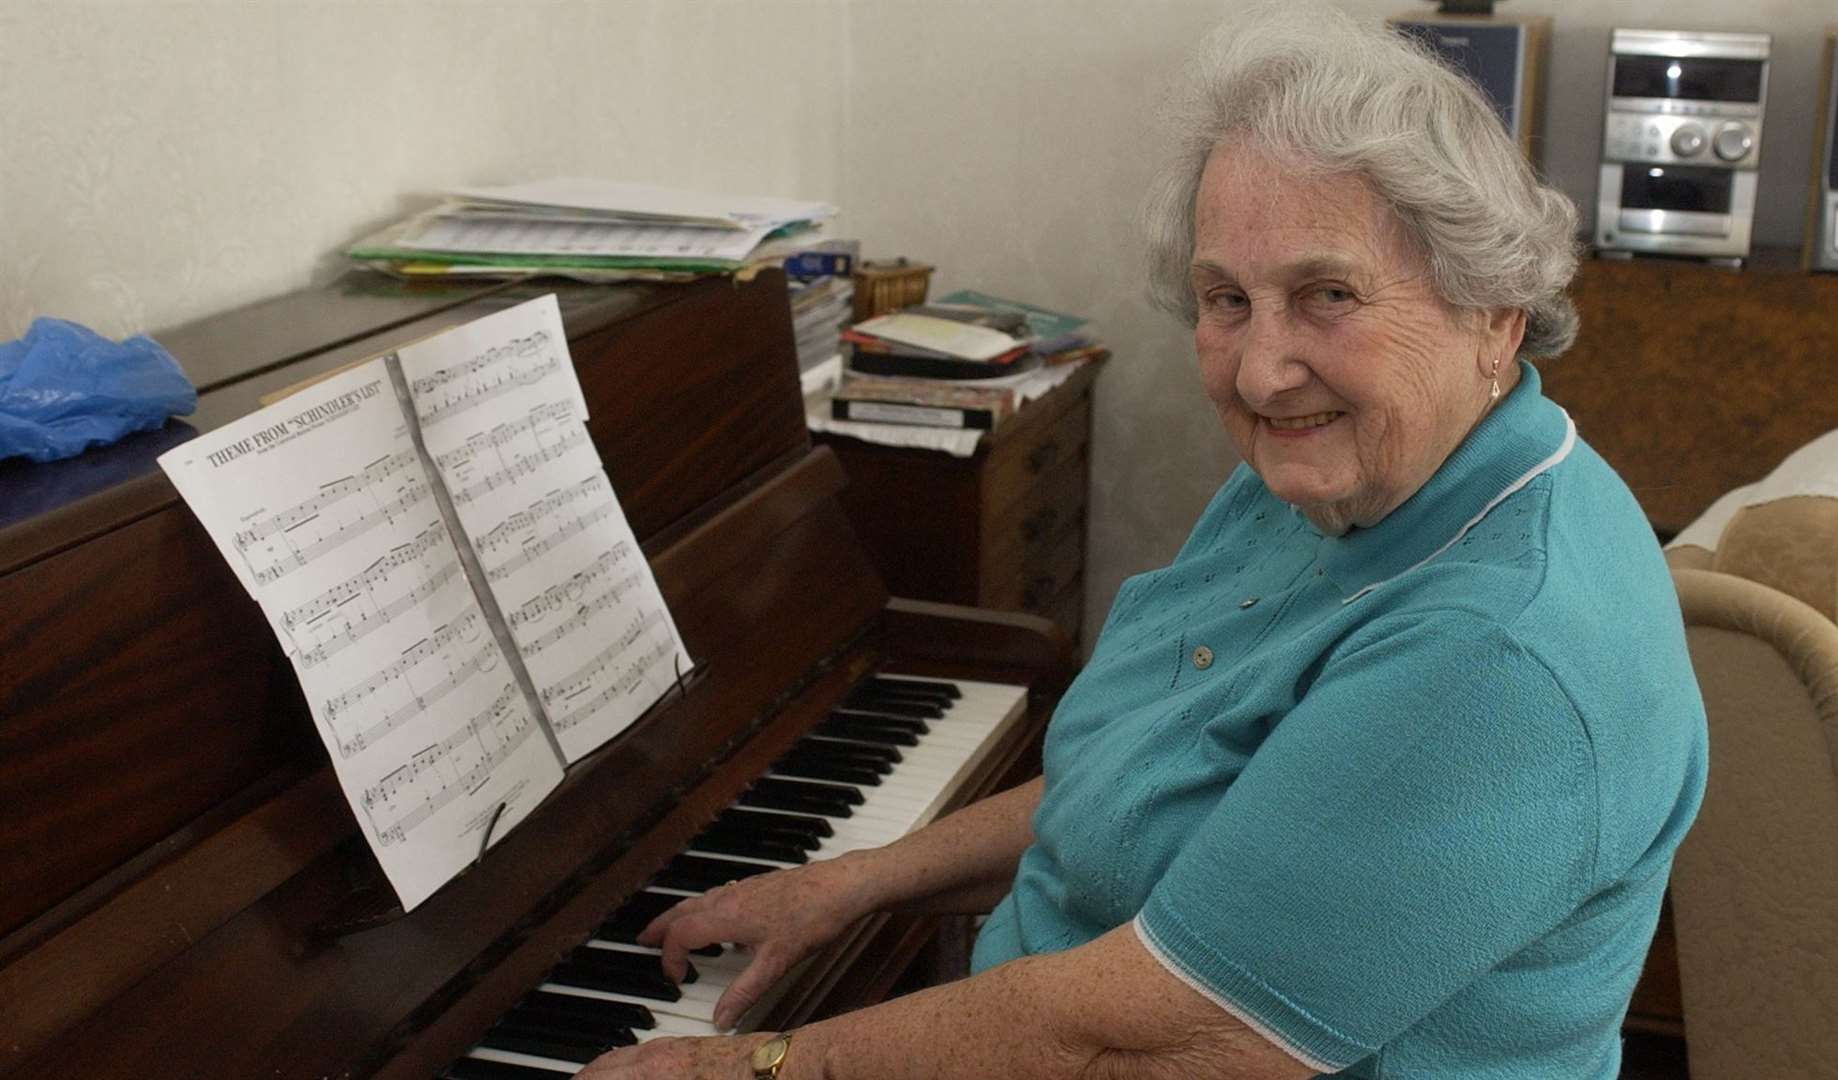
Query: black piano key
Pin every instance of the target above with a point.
(843, 753)
(848, 728)
(902, 723)
(646, 964)
(636, 914)
(613, 981)
(700, 873)
(797, 803)
(818, 769)
(474, 1069)
(908, 683)
(795, 839)
(866, 751)
(727, 842)
(811, 788)
(610, 1014)
(749, 819)
(918, 697)
(530, 1022)
(536, 1044)
(893, 705)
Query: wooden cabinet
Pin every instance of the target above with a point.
(1692, 380)
(1002, 529)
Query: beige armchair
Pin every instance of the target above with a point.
(1755, 884)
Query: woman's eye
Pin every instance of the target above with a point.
(1334, 294)
(1227, 299)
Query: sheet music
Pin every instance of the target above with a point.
(503, 418)
(326, 513)
(521, 236)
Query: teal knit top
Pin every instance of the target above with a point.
(1402, 800)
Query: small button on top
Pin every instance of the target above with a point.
(1202, 657)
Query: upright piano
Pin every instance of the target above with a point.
(183, 888)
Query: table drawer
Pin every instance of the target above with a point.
(1040, 574)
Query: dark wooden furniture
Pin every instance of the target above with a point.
(1003, 529)
(1692, 380)
(173, 844)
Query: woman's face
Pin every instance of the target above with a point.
(1341, 376)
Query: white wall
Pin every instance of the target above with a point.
(162, 159)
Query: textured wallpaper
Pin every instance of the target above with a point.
(160, 160)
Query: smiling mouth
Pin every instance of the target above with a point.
(1302, 423)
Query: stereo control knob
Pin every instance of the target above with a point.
(1734, 142)
(1688, 140)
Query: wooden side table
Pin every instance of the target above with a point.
(1004, 528)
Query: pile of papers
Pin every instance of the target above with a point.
(594, 230)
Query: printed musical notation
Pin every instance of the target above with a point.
(519, 467)
(543, 418)
(465, 630)
(457, 765)
(535, 548)
(287, 553)
(556, 597)
(328, 495)
(630, 673)
(606, 601)
(449, 392)
(539, 512)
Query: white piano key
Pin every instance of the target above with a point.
(511, 1057)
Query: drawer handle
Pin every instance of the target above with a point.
(1038, 592)
(1040, 523)
(1042, 457)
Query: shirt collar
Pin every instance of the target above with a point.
(1524, 436)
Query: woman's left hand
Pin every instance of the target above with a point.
(720, 1057)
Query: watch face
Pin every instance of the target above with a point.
(768, 1054)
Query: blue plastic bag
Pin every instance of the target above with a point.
(65, 388)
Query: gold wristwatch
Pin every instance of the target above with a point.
(769, 1057)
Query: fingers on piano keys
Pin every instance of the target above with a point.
(888, 756)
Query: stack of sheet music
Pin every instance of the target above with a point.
(594, 230)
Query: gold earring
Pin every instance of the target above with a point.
(1494, 394)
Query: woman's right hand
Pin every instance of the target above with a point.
(781, 917)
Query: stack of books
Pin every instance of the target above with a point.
(822, 299)
(594, 230)
(968, 360)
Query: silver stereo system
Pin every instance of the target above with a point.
(1680, 143)
(1822, 226)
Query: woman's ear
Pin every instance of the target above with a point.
(1501, 334)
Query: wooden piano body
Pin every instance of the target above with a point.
(179, 873)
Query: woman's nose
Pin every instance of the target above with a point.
(1270, 362)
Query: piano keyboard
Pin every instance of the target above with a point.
(882, 765)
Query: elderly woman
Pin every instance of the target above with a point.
(1383, 776)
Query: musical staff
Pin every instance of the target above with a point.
(534, 549)
(498, 371)
(540, 418)
(549, 506)
(366, 621)
(462, 630)
(455, 766)
(520, 466)
(328, 495)
(628, 674)
(557, 597)
(611, 598)
(331, 536)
